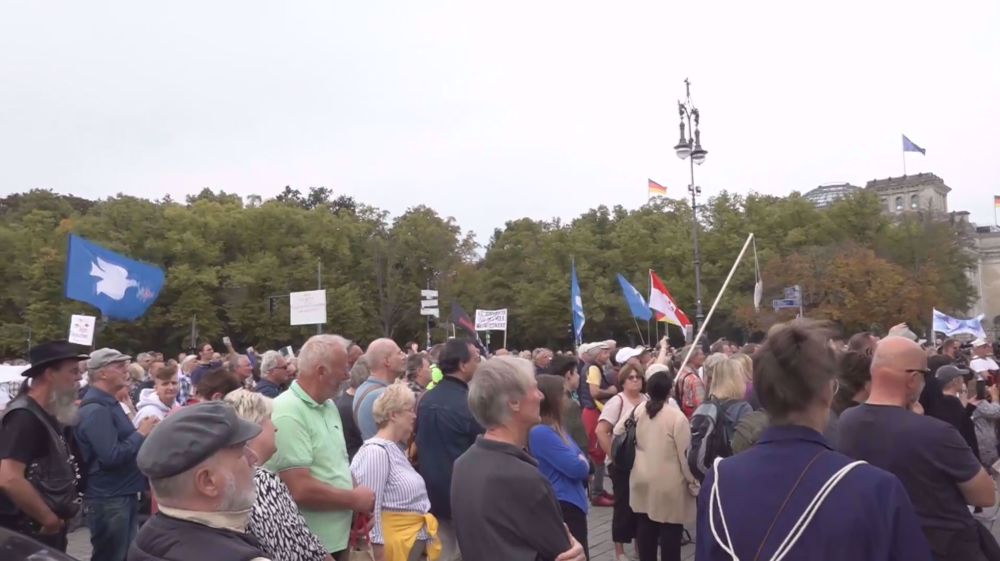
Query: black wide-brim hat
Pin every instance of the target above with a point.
(49, 353)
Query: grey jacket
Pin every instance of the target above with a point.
(985, 420)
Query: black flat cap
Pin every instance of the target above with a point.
(190, 436)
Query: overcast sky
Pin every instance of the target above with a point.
(490, 111)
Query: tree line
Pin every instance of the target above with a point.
(231, 261)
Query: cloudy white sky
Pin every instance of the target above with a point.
(490, 111)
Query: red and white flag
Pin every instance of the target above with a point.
(663, 304)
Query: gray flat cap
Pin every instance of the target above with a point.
(103, 357)
(949, 372)
(190, 436)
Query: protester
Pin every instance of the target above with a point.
(714, 422)
(985, 415)
(541, 358)
(274, 375)
(275, 521)
(594, 390)
(138, 380)
(312, 456)
(207, 360)
(354, 354)
(345, 406)
(403, 529)
(387, 364)
(418, 373)
(565, 367)
(185, 387)
(434, 354)
(864, 343)
(753, 505)
(746, 368)
(445, 430)
(160, 400)
(38, 486)
(662, 489)
(201, 476)
(708, 368)
(937, 468)
(523, 518)
(690, 388)
(982, 364)
(240, 365)
(855, 379)
(956, 409)
(108, 444)
(560, 460)
(214, 384)
(617, 410)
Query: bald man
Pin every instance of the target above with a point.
(387, 363)
(938, 469)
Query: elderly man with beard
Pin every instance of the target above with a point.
(38, 491)
(201, 473)
(108, 445)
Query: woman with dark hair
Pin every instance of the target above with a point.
(661, 487)
(791, 492)
(560, 459)
(855, 380)
(631, 385)
(565, 366)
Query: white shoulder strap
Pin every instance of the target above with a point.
(715, 500)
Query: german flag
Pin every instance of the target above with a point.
(657, 190)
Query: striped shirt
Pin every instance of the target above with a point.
(381, 465)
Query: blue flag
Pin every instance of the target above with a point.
(909, 146)
(576, 303)
(118, 286)
(635, 300)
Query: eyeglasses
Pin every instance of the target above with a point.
(633, 377)
(924, 371)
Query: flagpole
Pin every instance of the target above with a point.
(904, 162)
(718, 297)
(636, 322)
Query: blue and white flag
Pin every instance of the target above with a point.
(576, 303)
(636, 303)
(118, 286)
(950, 326)
(910, 146)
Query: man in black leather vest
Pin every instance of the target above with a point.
(38, 479)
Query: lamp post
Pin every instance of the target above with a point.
(690, 145)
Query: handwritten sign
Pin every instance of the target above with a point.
(491, 320)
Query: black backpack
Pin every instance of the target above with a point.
(710, 436)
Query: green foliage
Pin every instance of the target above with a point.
(226, 257)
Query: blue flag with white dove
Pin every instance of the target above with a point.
(576, 303)
(636, 303)
(120, 287)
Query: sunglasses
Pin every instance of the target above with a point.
(924, 371)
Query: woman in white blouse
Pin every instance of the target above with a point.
(404, 529)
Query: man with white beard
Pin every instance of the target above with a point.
(201, 473)
(38, 492)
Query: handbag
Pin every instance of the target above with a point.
(623, 445)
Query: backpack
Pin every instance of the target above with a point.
(710, 437)
(623, 446)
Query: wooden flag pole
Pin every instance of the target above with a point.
(704, 324)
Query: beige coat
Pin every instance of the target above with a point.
(661, 485)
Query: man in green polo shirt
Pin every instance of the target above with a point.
(312, 456)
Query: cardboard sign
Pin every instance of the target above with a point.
(81, 330)
(491, 320)
(307, 308)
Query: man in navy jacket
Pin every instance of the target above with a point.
(109, 444)
(445, 430)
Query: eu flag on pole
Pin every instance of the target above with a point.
(576, 303)
(120, 287)
(636, 302)
(909, 146)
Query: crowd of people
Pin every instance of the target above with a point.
(802, 446)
